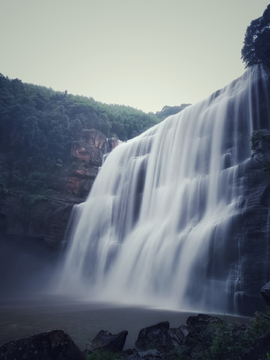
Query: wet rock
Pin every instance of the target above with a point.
(159, 337)
(200, 322)
(265, 291)
(112, 143)
(51, 345)
(178, 335)
(154, 337)
(107, 341)
(199, 333)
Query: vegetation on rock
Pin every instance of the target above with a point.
(38, 127)
(260, 146)
(232, 340)
(256, 49)
(170, 110)
(104, 355)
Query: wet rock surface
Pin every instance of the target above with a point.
(51, 345)
(159, 337)
(107, 341)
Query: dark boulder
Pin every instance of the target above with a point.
(200, 322)
(199, 333)
(154, 337)
(159, 337)
(265, 291)
(107, 341)
(51, 345)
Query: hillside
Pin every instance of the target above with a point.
(41, 131)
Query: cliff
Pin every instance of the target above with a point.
(48, 215)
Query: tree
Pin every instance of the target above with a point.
(256, 49)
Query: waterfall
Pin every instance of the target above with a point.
(157, 227)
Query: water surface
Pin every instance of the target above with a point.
(80, 319)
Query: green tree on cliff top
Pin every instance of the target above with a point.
(256, 49)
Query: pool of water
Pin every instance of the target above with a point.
(82, 320)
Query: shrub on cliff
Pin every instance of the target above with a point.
(260, 146)
(256, 49)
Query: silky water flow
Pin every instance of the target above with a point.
(155, 227)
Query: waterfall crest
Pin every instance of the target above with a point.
(157, 226)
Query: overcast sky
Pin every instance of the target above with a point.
(141, 53)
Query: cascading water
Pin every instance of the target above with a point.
(157, 226)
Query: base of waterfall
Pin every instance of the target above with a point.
(202, 337)
(23, 317)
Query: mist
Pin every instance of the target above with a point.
(27, 265)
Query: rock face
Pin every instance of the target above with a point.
(51, 345)
(87, 152)
(250, 236)
(48, 218)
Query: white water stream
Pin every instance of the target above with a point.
(155, 227)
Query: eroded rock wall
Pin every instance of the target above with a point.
(48, 217)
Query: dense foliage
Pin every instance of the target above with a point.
(104, 355)
(260, 146)
(38, 126)
(256, 49)
(231, 341)
(170, 110)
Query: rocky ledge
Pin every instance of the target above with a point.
(203, 337)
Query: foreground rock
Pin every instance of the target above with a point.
(51, 345)
(203, 337)
(265, 292)
(107, 341)
(159, 337)
(196, 336)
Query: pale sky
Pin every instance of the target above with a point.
(141, 53)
